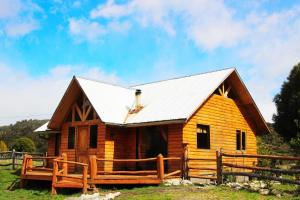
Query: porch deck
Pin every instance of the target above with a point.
(62, 178)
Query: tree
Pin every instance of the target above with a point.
(3, 146)
(287, 119)
(24, 144)
(24, 128)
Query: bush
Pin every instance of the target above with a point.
(24, 144)
(3, 146)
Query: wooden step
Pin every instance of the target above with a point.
(68, 184)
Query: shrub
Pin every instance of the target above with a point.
(24, 144)
(3, 146)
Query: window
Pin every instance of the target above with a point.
(243, 141)
(203, 137)
(240, 140)
(57, 144)
(93, 136)
(71, 137)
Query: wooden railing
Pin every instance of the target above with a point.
(28, 166)
(159, 172)
(61, 177)
(253, 170)
(221, 168)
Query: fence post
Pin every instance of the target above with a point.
(219, 166)
(13, 157)
(160, 167)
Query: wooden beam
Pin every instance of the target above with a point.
(79, 111)
(87, 112)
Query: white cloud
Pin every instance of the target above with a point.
(23, 96)
(20, 29)
(209, 24)
(85, 29)
(17, 17)
(9, 8)
(110, 10)
(76, 4)
(272, 48)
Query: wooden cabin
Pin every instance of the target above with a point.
(204, 112)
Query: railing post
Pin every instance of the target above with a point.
(93, 168)
(65, 165)
(29, 163)
(54, 177)
(45, 160)
(13, 157)
(160, 167)
(84, 179)
(219, 167)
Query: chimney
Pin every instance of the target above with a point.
(138, 93)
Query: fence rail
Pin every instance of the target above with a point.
(14, 156)
(254, 171)
(219, 166)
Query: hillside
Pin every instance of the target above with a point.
(23, 128)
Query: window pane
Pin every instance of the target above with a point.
(243, 140)
(71, 137)
(238, 140)
(203, 137)
(93, 136)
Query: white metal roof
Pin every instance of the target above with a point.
(111, 102)
(163, 100)
(42, 128)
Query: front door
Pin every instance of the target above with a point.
(82, 144)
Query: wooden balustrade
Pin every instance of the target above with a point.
(61, 178)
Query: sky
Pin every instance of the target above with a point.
(44, 43)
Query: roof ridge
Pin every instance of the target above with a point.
(190, 75)
(103, 82)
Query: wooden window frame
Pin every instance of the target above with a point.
(241, 140)
(207, 147)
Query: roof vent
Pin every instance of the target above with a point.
(137, 104)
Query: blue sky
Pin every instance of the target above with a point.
(44, 43)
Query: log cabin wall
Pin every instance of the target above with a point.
(51, 145)
(224, 118)
(71, 153)
(175, 145)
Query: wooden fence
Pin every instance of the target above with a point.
(14, 156)
(223, 169)
(255, 171)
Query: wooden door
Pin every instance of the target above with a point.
(82, 144)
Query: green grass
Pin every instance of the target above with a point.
(41, 191)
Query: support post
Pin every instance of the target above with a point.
(65, 165)
(93, 168)
(219, 167)
(54, 177)
(84, 179)
(160, 167)
(29, 163)
(184, 173)
(45, 160)
(13, 157)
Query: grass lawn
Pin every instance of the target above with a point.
(41, 191)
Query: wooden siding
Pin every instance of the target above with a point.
(224, 117)
(175, 145)
(51, 145)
